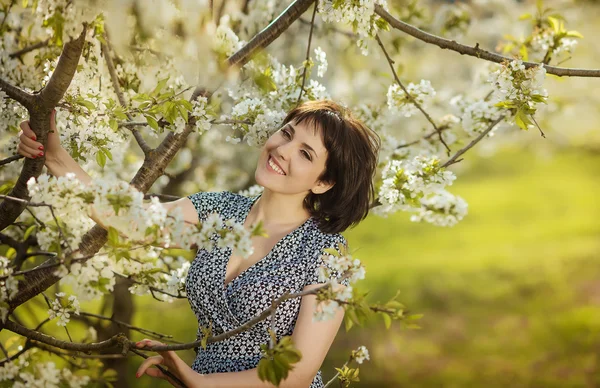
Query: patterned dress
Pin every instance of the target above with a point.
(289, 267)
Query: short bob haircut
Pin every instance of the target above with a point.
(352, 150)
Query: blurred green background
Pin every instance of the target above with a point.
(510, 296)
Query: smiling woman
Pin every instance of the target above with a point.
(317, 173)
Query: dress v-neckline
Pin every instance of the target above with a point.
(265, 258)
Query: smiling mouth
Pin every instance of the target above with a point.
(274, 166)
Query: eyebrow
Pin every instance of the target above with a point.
(304, 144)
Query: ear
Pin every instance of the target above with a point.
(321, 187)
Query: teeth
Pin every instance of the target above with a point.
(275, 167)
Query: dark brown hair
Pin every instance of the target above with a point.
(351, 161)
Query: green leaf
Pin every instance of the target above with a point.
(108, 153)
(522, 120)
(101, 159)
(152, 122)
(387, 320)
(28, 232)
(112, 123)
(331, 251)
(113, 236)
(554, 24)
(574, 34)
(348, 323)
(161, 84)
(525, 16)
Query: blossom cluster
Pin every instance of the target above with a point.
(441, 208)
(8, 286)
(337, 266)
(418, 186)
(26, 372)
(321, 59)
(255, 121)
(475, 114)
(360, 14)
(200, 114)
(519, 89)
(547, 41)
(398, 101)
(360, 354)
(58, 309)
(91, 279)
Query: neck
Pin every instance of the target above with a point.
(279, 209)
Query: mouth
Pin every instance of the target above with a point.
(274, 166)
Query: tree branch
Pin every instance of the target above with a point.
(454, 158)
(17, 94)
(270, 33)
(39, 107)
(10, 159)
(46, 339)
(476, 51)
(312, 25)
(28, 49)
(410, 97)
(106, 50)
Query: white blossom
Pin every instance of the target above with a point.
(399, 102)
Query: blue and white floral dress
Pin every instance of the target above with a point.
(289, 267)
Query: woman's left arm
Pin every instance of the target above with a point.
(312, 339)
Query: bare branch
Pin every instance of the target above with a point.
(10, 159)
(410, 97)
(269, 34)
(17, 94)
(312, 25)
(483, 134)
(476, 51)
(28, 49)
(46, 339)
(63, 74)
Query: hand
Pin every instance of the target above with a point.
(30, 148)
(168, 359)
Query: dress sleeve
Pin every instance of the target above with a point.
(207, 203)
(316, 262)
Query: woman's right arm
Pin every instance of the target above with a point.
(59, 163)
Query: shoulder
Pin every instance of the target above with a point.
(320, 240)
(208, 202)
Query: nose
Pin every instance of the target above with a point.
(284, 150)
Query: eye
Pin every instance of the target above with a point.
(286, 133)
(306, 154)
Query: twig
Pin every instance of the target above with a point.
(129, 326)
(483, 134)
(312, 26)
(106, 49)
(162, 369)
(410, 97)
(476, 51)
(12, 2)
(38, 204)
(426, 137)
(28, 49)
(538, 126)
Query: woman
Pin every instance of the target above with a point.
(317, 172)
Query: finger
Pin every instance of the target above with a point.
(148, 343)
(29, 142)
(155, 372)
(27, 130)
(155, 360)
(29, 152)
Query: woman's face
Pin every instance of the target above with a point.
(292, 160)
